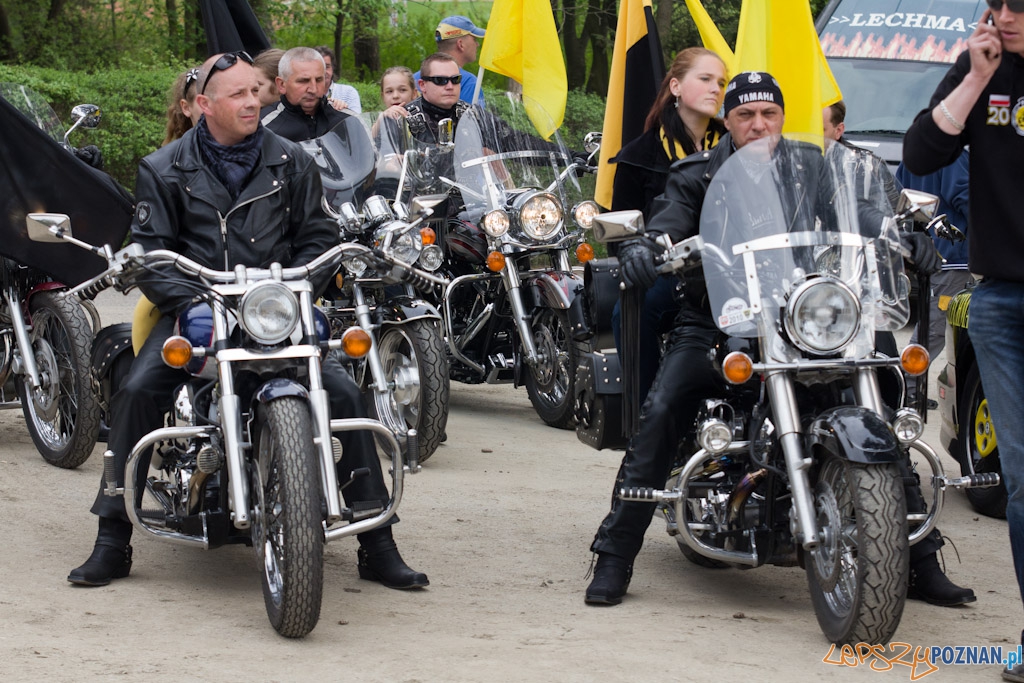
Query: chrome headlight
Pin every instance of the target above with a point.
(714, 435)
(822, 316)
(495, 223)
(584, 212)
(431, 257)
(540, 215)
(907, 425)
(405, 247)
(355, 266)
(269, 312)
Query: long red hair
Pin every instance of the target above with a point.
(663, 112)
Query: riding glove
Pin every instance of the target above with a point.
(921, 252)
(636, 266)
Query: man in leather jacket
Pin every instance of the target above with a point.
(439, 97)
(303, 112)
(229, 192)
(754, 109)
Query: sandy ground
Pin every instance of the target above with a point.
(501, 519)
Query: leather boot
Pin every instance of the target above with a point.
(611, 579)
(111, 556)
(928, 582)
(379, 561)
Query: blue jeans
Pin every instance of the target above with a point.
(996, 326)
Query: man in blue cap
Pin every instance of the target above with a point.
(459, 37)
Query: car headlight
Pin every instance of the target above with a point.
(584, 212)
(495, 223)
(540, 215)
(431, 257)
(822, 316)
(269, 312)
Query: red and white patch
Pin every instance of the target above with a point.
(999, 100)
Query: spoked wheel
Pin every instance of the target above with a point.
(858, 573)
(287, 531)
(979, 451)
(416, 369)
(550, 384)
(63, 414)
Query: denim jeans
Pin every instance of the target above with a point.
(996, 326)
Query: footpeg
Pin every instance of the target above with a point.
(356, 474)
(979, 480)
(412, 450)
(110, 475)
(647, 495)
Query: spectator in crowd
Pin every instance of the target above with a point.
(182, 112)
(340, 95)
(459, 38)
(302, 112)
(266, 75)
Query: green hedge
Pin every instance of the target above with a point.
(134, 104)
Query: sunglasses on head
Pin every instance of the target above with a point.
(225, 62)
(191, 78)
(455, 80)
(1016, 6)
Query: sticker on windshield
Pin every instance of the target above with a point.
(734, 312)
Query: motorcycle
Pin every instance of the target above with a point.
(798, 461)
(247, 455)
(405, 375)
(46, 335)
(511, 215)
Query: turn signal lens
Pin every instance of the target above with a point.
(428, 235)
(339, 280)
(584, 253)
(915, 360)
(177, 351)
(495, 261)
(355, 342)
(737, 367)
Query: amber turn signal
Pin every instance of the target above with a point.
(339, 280)
(915, 360)
(584, 253)
(428, 236)
(737, 367)
(495, 261)
(177, 351)
(355, 342)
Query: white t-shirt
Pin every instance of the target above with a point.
(348, 95)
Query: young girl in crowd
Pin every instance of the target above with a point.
(266, 75)
(182, 112)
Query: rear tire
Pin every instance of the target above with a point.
(63, 414)
(978, 450)
(858, 574)
(287, 530)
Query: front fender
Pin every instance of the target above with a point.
(279, 387)
(855, 434)
(551, 289)
(402, 309)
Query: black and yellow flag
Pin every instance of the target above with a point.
(637, 70)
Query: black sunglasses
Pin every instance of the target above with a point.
(190, 79)
(455, 80)
(1016, 6)
(225, 62)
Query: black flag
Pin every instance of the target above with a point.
(231, 25)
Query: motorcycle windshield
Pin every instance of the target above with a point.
(35, 108)
(801, 249)
(499, 158)
(346, 159)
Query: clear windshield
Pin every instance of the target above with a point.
(346, 159)
(499, 156)
(778, 214)
(35, 108)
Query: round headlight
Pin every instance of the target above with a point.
(405, 247)
(714, 436)
(431, 257)
(355, 266)
(822, 316)
(269, 312)
(495, 223)
(540, 216)
(907, 425)
(584, 212)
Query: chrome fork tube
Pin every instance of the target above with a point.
(519, 315)
(787, 422)
(867, 391)
(231, 420)
(362, 310)
(28, 358)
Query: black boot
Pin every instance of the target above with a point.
(611, 579)
(379, 561)
(111, 557)
(928, 582)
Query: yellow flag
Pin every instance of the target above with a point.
(778, 36)
(710, 35)
(637, 70)
(522, 43)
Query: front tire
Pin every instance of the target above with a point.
(979, 451)
(287, 530)
(858, 574)
(550, 384)
(63, 414)
(416, 369)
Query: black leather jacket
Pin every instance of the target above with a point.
(183, 207)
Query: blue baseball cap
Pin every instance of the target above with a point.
(456, 27)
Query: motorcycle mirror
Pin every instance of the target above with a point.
(616, 226)
(48, 227)
(916, 205)
(945, 229)
(87, 115)
(446, 132)
(592, 142)
(426, 202)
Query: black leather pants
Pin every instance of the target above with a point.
(138, 408)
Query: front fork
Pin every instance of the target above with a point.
(28, 356)
(362, 311)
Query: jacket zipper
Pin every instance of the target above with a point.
(224, 221)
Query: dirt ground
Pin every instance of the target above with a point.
(500, 519)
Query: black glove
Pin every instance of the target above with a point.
(922, 253)
(90, 154)
(582, 161)
(636, 266)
